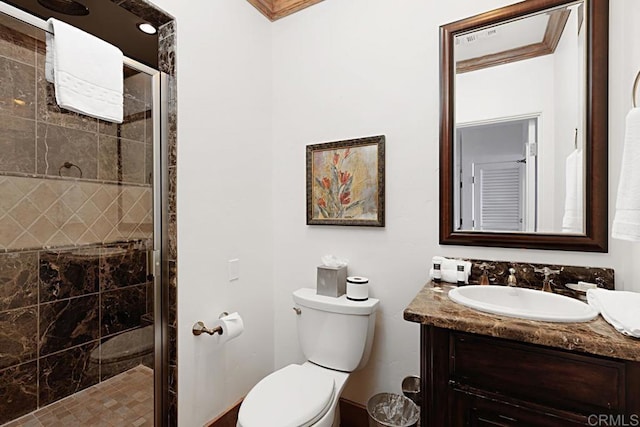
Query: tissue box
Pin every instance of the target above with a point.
(332, 281)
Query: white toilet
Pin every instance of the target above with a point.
(336, 336)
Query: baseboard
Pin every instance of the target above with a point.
(352, 414)
(229, 418)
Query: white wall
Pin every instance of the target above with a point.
(352, 68)
(224, 200)
(508, 90)
(251, 95)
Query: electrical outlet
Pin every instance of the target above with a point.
(234, 269)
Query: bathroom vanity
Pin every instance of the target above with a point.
(485, 370)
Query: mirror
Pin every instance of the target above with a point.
(523, 136)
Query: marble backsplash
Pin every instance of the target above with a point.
(56, 307)
(527, 277)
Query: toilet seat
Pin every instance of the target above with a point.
(294, 396)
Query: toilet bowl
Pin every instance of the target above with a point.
(336, 336)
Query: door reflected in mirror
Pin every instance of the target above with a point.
(519, 135)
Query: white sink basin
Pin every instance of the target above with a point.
(523, 303)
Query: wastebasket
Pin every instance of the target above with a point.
(411, 389)
(392, 410)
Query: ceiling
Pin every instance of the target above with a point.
(501, 37)
(519, 39)
(118, 26)
(276, 9)
(107, 21)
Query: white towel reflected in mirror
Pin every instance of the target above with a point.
(573, 219)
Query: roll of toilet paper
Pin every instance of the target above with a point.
(231, 325)
(357, 288)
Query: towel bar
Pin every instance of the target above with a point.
(634, 93)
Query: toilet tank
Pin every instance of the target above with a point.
(336, 333)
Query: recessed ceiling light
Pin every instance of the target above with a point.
(67, 7)
(147, 28)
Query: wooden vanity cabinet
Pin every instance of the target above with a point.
(476, 380)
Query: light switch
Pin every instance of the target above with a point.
(234, 269)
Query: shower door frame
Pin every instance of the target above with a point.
(157, 258)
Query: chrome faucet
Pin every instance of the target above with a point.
(512, 281)
(546, 284)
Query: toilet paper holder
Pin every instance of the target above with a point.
(199, 328)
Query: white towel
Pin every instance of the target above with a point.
(449, 269)
(86, 72)
(626, 223)
(620, 308)
(572, 221)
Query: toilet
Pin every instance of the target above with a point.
(335, 335)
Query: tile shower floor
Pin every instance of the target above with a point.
(124, 400)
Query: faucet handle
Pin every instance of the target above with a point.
(511, 280)
(546, 285)
(546, 271)
(485, 266)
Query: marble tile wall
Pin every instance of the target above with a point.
(167, 64)
(65, 178)
(56, 307)
(33, 113)
(39, 213)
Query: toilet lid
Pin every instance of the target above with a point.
(290, 397)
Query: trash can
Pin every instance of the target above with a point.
(392, 410)
(411, 389)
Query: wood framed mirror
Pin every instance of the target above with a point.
(524, 127)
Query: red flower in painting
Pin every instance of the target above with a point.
(344, 198)
(334, 193)
(344, 177)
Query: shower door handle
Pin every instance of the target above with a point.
(153, 264)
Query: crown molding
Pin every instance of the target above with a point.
(276, 9)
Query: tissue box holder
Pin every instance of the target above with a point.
(331, 281)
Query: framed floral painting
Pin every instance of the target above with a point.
(345, 182)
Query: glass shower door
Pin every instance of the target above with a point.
(78, 245)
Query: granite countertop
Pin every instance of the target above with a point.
(432, 306)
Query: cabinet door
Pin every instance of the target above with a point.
(474, 410)
(549, 377)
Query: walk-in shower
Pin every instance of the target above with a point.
(80, 242)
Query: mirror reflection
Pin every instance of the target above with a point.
(520, 124)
